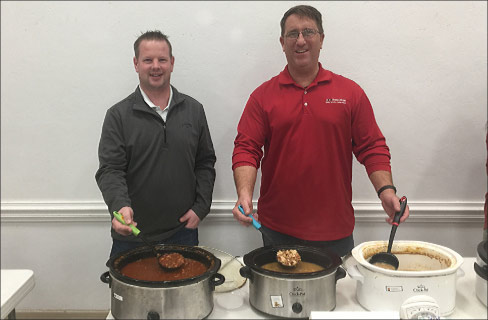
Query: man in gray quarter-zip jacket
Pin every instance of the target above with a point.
(156, 155)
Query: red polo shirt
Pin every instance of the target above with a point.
(309, 136)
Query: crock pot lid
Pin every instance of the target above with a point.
(482, 246)
(334, 261)
(229, 268)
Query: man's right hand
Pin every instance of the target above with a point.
(245, 179)
(245, 220)
(119, 227)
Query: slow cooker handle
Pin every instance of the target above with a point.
(340, 273)
(217, 280)
(245, 271)
(355, 274)
(460, 273)
(105, 277)
(481, 271)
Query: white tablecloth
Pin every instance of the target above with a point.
(235, 304)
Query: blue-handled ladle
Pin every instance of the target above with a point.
(387, 259)
(264, 232)
(255, 223)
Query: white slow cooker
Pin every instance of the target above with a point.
(425, 269)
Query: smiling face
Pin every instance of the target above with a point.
(154, 65)
(301, 53)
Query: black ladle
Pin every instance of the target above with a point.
(388, 259)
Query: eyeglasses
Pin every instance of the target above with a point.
(306, 33)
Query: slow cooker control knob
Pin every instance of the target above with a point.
(297, 307)
(153, 315)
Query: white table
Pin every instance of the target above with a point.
(235, 304)
(16, 284)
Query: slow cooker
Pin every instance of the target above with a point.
(292, 295)
(425, 269)
(481, 269)
(176, 299)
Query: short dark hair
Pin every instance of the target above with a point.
(303, 11)
(152, 35)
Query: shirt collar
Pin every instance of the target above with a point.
(151, 104)
(323, 75)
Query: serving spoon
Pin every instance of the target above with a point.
(286, 258)
(387, 259)
(168, 261)
(255, 223)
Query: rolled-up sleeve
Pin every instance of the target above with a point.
(250, 139)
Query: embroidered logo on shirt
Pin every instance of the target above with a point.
(331, 100)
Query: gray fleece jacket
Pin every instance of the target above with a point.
(160, 169)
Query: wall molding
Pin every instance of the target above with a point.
(221, 211)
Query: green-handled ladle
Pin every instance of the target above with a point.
(162, 262)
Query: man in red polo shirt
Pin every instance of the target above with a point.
(310, 122)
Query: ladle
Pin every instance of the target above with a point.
(256, 224)
(288, 258)
(386, 259)
(169, 261)
(264, 232)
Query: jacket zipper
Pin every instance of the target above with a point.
(164, 129)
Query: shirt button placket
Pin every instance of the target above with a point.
(305, 103)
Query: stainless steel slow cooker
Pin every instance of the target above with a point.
(481, 269)
(425, 269)
(292, 295)
(176, 299)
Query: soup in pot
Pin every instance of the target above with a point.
(148, 269)
(412, 257)
(416, 262)
(384, 265)
(301, 267)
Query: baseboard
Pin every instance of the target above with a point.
(61, 314)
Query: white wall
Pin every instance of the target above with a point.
(422, 64)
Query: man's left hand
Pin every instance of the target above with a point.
(391, 204)
(191, 219)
